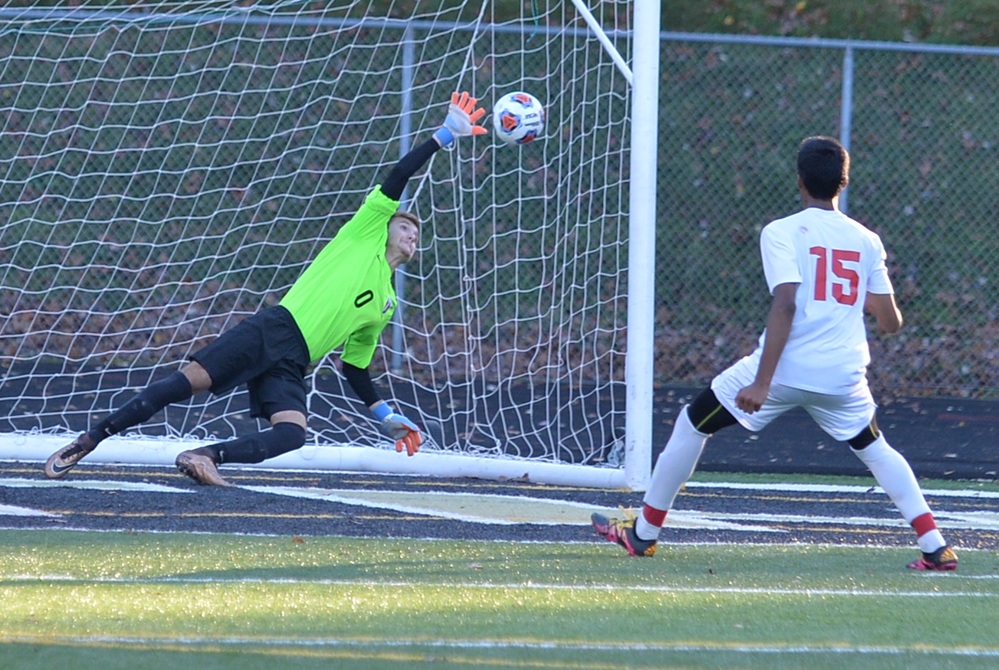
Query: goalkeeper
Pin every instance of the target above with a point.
(345, 298)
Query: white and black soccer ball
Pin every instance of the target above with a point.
(518, 118)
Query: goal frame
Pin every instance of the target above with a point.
(635, 473)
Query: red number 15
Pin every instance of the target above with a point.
(844, 292)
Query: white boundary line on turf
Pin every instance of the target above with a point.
(492, 586)
(839, 488)
(89, 484)
(577, 543)
(501, 509)
(776, 486)
(14, 510)
(700, 647)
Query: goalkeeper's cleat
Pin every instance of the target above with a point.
(943, 558)
(199, 464)
(66, 458)
(622, 531)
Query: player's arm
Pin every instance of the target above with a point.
(751, 398)
(884, 310)
(461, 120)
(395, 425)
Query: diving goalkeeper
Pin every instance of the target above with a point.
(345, 298)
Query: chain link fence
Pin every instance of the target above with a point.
(924, 140)
(917, 119)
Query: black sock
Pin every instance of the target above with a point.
(280, 439)
(143, 406)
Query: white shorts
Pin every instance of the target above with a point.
(842, 416)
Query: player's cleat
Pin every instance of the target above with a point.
(622, 531)
(943, 558)
(199, 464)
(66, 458)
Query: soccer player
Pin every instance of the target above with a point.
(823, 269)
(345, 298)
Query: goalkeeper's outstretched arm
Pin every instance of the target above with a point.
(461, 121)
(395, 183)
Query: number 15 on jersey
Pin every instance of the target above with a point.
(845, 280)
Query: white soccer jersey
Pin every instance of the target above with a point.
(836, 261)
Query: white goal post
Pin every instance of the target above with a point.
(169, 168)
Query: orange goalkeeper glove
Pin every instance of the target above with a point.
(399, 428)
(462, 117)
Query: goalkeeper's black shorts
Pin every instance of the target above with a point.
(268, 353)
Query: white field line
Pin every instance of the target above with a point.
(89, 484)
(699, 647)
(578, 543)
(526, 586)
(14, 510)
(839, 488)
(777, 486)
(491, 508)
(510, 510)
(955, 520)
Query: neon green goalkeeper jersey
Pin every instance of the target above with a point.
(345, 298)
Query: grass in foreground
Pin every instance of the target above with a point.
(170, 600)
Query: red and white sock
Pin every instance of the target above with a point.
(650, 522)
(895, 476)
(930, 539)
(673, 468)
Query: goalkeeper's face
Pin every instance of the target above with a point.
(403, 236)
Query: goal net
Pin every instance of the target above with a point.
(169, 168)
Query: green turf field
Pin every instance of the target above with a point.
(143, 600)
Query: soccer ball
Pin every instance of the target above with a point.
(518, 118)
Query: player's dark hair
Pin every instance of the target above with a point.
(824, 166)
(408, 216)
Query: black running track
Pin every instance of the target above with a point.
(942, 439)
(92, 498)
